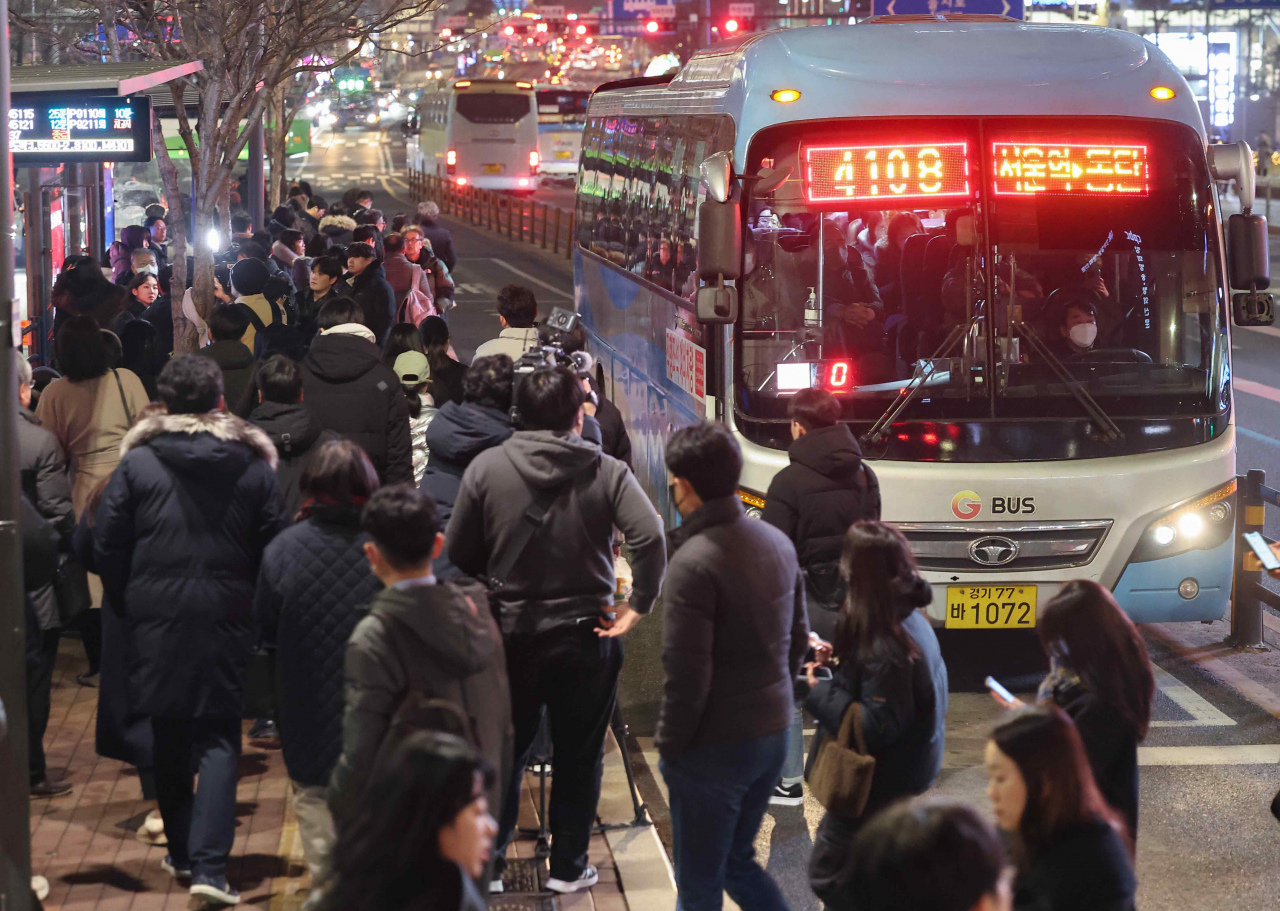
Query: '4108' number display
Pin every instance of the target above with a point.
(930, 171)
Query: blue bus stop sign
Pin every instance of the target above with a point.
(1013, 8)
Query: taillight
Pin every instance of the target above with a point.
(533, 162)
(451, 160)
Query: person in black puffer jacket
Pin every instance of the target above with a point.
(891, 666)
(354, 394)
(813, 501)
(313, 585)
(297, 432)
(370, 287)
(459, 433)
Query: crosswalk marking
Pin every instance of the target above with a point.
(1261, 390)
(1245, 754)
(474, 288)
(1202, 712)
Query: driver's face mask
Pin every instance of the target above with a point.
(1084, 334)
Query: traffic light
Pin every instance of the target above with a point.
(737, 25)
(582, 29)
(659, 27)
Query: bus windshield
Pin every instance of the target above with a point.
(563, 106)
(493, 107)
(1054, 250)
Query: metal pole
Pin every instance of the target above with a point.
(1246, 608)
(254, 178)
(704, 25)
(15, 832)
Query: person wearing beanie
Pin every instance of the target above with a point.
(249, 280)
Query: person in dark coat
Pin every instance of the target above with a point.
(370, 287)
(1069, 847)
(891, 666)
(40, 544)
(160, 313)
(47, 486)
(460, 432)
(826, 488)
(312, 589)
(438, 235)
(734, 635)
(356, 395)
(446, 373)
(325, 284)
(179, 538)
(295, 430)
(434, 638)
(1100, 675)
(614, 439)
(227, 326)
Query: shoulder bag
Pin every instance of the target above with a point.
(124, 400)
(840, 777)
(530, 521)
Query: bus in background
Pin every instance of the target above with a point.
(479, 133)
(997, 243)
(561, 116)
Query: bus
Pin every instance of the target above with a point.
(479, 133)
(997, 243)
(561, 116)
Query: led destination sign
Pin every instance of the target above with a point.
(926, 171)
(80, 128)
(1064, 169)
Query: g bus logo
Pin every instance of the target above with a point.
(966, 505)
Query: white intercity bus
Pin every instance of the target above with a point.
(479, 133)
(1036, 358)
(561, 116)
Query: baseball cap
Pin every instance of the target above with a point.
(412, 368)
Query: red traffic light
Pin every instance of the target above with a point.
(731, 26)
(509, 30)
(580, 30)
(446, 33)
(651, 27)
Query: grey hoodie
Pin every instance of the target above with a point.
(565, 574)
(439, 640)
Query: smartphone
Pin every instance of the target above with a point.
(819, 673)
(995, 687)
(1260, 547)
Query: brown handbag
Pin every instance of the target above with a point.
(840, 777)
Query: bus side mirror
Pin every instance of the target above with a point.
(1249, 267)
(719, 257)
(1234, 161)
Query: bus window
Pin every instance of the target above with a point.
(493, 107)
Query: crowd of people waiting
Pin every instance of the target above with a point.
(426, 573)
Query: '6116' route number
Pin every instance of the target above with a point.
(991, 606)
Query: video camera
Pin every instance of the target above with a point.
(560, 331)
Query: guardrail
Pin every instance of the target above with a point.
(519, 219)
(1248, 593)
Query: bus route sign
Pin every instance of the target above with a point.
(1011, 8)
(54, 129)
(687, 364)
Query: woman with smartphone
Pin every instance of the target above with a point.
(1067, 844)
(1100, 675)
(886, 658)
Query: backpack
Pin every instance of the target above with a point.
(415, 306)
(278, 338)
(823, 583)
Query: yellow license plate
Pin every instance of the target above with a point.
(493, 169)
(991, 606)
(564, 155)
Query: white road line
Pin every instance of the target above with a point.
(475, 288)
(1262, 390)
(1265, 330)
(528, 277)
(1247, 754)
(1203, 713)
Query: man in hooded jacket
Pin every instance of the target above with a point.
(179, 536)
(354, 394)
(460, 432)
(555, 600)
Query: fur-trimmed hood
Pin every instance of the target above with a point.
(341, 222)
(202, 442)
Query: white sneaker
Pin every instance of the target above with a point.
(495, 886)
(40, 886)
(206, 893)
(589, 877)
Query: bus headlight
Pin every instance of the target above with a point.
(1198, 523)
(753, 502)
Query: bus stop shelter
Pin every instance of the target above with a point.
(73, 128)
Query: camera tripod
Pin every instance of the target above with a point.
(540, 756)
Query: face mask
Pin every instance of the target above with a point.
(149, 269)
(1084, 334)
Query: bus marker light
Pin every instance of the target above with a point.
(785, 96)
(1162, 93)
(524, 85)
(462, 84)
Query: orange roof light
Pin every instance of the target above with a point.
(462, 84)
(785, 96)
(1162, 93)
(524, 85)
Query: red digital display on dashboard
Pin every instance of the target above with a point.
(915, 172)
(1069, 169)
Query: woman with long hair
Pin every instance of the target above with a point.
(446, 371)
(402, 337)
(887, 661)
(1100, 675)
(1068, 845)
(314, 576)
(423, 833)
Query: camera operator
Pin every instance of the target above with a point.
(614, 439)
(535, 517)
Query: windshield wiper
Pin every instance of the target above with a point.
(1110, 431)
(879, 431)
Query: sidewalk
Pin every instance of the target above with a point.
(85, 843)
